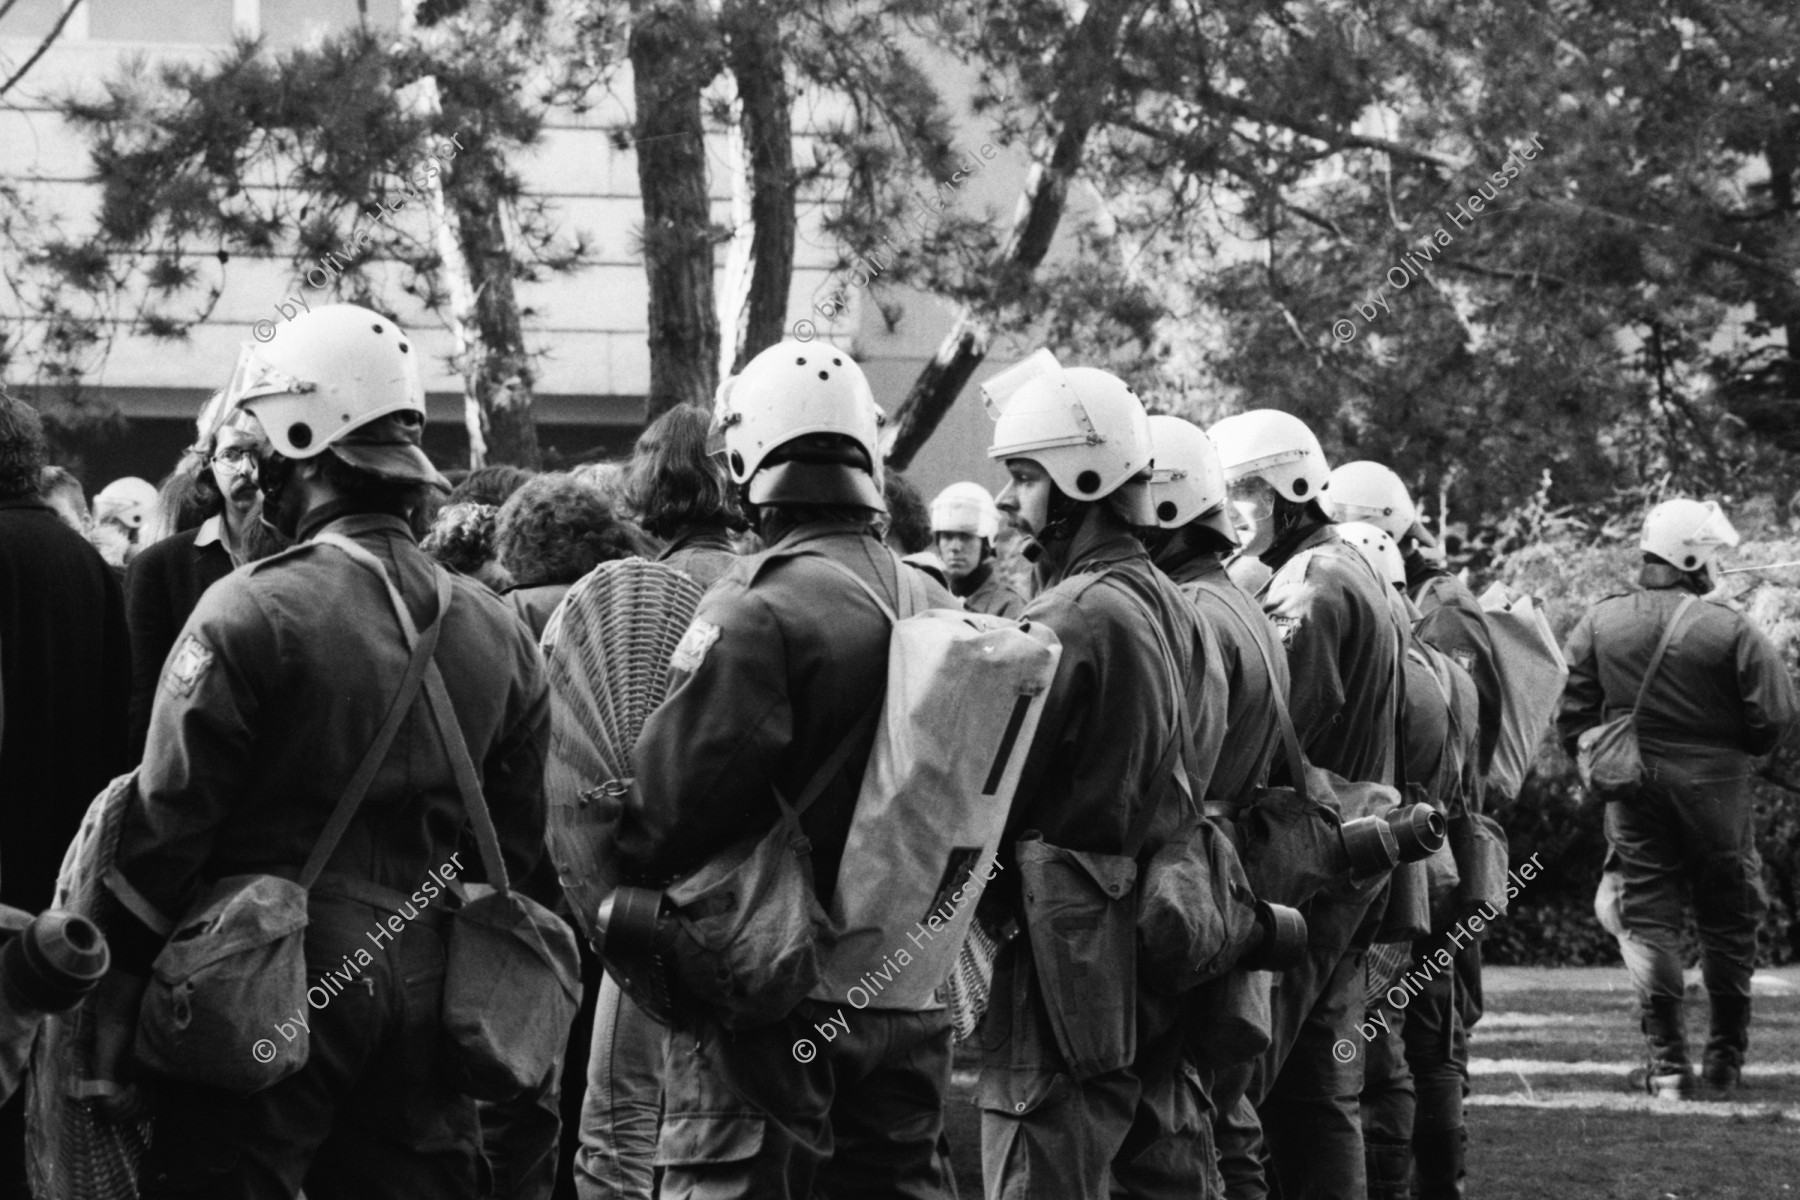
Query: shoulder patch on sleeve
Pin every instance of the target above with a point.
(1285, 625)
(694, 644)
(188, 666)
(1465, 658)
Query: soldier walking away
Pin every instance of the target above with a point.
(1084, 1088)
(1719, 698)
(786, 659)
(964, 523)
(1343, 653)
(274, 693)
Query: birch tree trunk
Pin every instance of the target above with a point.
(673, 58)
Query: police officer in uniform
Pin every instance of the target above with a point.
(784, 659)
(963, 524)
(1343, 653)
(1083, 1085)
(1412, 1089)
(1451, 620)
(1195, 536)
(272, 696)
(1720, 698)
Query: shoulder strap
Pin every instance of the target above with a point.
(1290, 740)
(443, 714)
(913, 600)
(1175, 752)
(1662, 648)
(423, 647)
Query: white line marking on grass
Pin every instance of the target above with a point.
(1615, 1102)
(1542, 1066)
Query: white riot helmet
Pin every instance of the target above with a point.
(128, 502)
(1274, 446)
(1375, 545)
(1084, 427)
(790, 391)
(1368, 491)
(326, 380)
(965, 508)
(1187, 483)
(1687, 534)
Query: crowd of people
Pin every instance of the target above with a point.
(310, 645)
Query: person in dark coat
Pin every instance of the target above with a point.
(777, 678)
(964, 523)
(1344, 659)
(167, 578)
(1720, 699)
(65, 673)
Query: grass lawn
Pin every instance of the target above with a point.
(1549, 1116)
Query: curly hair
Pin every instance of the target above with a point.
(489, 485)
(23, 450)
(556, 529)
(673, 483)
(462, 537)
(909, 521)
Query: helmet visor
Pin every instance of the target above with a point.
(254, 377)
(1714, 528)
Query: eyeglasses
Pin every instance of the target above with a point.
(236, 459)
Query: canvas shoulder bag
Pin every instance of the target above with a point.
(1607, 757)
(235, 966)
(512, 973)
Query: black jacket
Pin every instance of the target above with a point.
(162, 586)
(65, 670)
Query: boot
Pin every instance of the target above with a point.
(1438, 1156)
(1730, 1038)
(1389, 1163)
(1668, 1075)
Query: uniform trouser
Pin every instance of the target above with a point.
(831, 1100)
(1307, 1087)
(623, 1108)
(1437, 1045)
(1140, 1131)
(1685, 828)
(365, 1117)
(1238, 1134)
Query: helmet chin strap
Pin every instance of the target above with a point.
(1059, 527)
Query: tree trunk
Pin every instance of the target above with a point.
(1085, 63)
(500, 376)
(753, 41)
(672, 60)
(477, 272)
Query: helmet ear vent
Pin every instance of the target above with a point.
(737, 463)
(1087, 481)
(300, 435)
(1300, 486)
(1165, 511)
(1692, 562)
